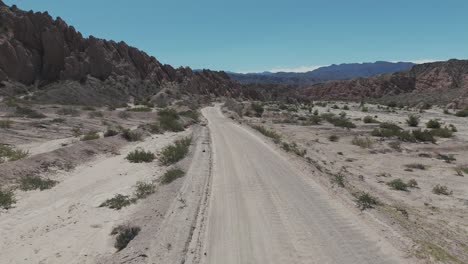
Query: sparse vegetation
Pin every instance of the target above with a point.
(7, 199)
(268, 133)
(396, 145)
(363, 142)
(423, 135)
(144, 189)
(8, 153)
(441, 190)
(91, 135)
(131, 136)
(461, 170)
(169, 120)
(6, 123)
(140, 156)
(95, 114)
(413, 120)
(462, 113)
(117, 202)
(339, 179)
(258, 109)
(433, 123)
(398, 184)
(28, 112)
(124, 115)
(125, 234)
(30, 183)
(171, 175)
(333, 138)
(369, 119)
(110, 132)
(68, 112)
(294, 148)
(366, 201)
(416, 166)
(412, 183)
(442, 132)
(175, 152)
(140, 109)
(192, 114)
(447, 158)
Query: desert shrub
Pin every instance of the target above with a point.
(140, 109)
(314, 120)
(364, 109)
(412, 183)
(175, 152)
(423, 135)
(447, 158)
(153, 128)
(433, 123)
(442, 132)
(91, 135)
(343, 122)
(390, 126)
(366, 201)
(406, 136)
(144, 189)
(392, 104)
(58, 120)
(140, 156)
(396, 145)
(195, 115)
(413, 120)
(169, 120)
(462, 113)
(268, 133)
(453, 128)
(28, 112)
(124, 115)
(333, 138)
(345, 107)
(29, 183)
(95, 114)
(362, 142)
(293, 148)
(447, 112)
(131, 136)
(6, 123)
(68, 112)
(171, 175)
(398, 184)
(7, 199)
(416, 166)
(369, 119)
(441, 190)
(88, 108)
(339, 180)
(110, 132)
(316, 112)
(117, 202)
(125, 234)
(8, 153)
(382, 132)
(258, 109)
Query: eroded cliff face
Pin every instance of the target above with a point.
(37, 50)
(437, 77)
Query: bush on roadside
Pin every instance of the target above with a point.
(8, 153)
(169, 120)
(118, 202)
(175, 152)
(144, 189)
(366, 201)
(171, 175)
(7, 199)
(131, 136)
(268, 133)
(140, 156)
(30, 183)
(125, 234)
(339, 180)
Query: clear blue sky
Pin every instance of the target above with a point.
(260, 35)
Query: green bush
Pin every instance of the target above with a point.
(363, 142)
(369, 119)
(88, 108)
(462, 113)
(416, 166)
(442, 132)
(441, 190)
(58, 120)
(118, 202)
(447, 158)
(169, 120)
(171, 175)
(68, 112)
(6, 123)
(195, 115)
(140, 156)
(258, 109)
(144, 189)
(28, 112)
(30, 183)
(345, 107)
(175, 152)
(95, 114)
(268, 133)
(433, 123)
(131, 136)
(339, 179)
(413, 120)
(333, 138)
(294, 148)
(111, 132)
(366, 201)
(140, 109)
(8, 153)
(7, 199)
(398, 184)
(125, 234)
(423, 136)
(91, 135)
(406, 136)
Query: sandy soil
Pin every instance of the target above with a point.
(264, 210)
(436, 225)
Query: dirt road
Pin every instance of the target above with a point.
(263, 210)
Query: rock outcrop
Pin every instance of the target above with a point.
(40, 52)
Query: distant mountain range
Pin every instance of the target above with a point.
(323, 74)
